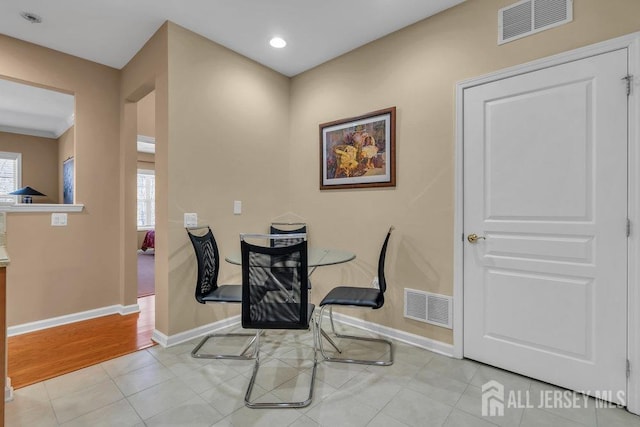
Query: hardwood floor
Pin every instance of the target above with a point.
(40, 355)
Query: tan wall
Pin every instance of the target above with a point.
(63, 270)
(146, 161)
(416, 70)
(147, 127)
(147, 115)
(228, 127)
(39, 163)
(235, 130)
(146, 72)
(66, 150)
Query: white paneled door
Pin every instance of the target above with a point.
(545, 194)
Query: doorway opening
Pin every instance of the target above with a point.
(145, 212)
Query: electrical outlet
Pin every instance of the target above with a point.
(237, 207)
(59, 219)
(375, 283)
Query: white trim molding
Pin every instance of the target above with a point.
(8, 390)
(405, 337)
(179, 338)
(71, 318)
(146, 144)
(632, 44)
(633, 254)
(41, 207)
(396, 334)
(160, 338)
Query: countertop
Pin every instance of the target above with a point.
(4, 256)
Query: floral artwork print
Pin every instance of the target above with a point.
(357, 152)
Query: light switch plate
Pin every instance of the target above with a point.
(190, 219)
(59, 219)
(237, 207)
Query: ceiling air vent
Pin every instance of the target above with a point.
(532, 16)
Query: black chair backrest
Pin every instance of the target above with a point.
(382, 282)
(267, 302)
(208, 257)
(279, 228)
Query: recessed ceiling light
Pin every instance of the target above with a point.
(277, 42)
(31, 17)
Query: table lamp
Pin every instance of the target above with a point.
(27, 193)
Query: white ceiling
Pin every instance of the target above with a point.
(34, 111)
(111, 32)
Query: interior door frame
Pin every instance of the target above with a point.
(630, 42)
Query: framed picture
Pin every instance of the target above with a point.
(67, 181)
(359, 152)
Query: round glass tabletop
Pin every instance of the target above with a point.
(316, 257)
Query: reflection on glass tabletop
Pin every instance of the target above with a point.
(316, 257)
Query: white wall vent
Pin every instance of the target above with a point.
(532, 16)
(427, 307)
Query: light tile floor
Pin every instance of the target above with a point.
(167, 387)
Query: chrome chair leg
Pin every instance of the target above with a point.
(329, 358)
(279, 405)
(324, 334)
(328, 338)
(241, 356)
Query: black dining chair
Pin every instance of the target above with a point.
(286, 228)
(357, 297)
(208, 290)
(275, 301)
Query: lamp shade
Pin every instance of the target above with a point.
(27, 191)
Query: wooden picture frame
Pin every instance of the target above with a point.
(359, 152)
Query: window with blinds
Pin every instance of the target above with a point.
(146, 198)
(10, 175)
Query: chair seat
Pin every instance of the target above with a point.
(349, 295)
(224, 293)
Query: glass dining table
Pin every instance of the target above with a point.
(316, 257)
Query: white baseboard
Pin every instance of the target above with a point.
(170, 341)
(8, 390)
(405, 337)
(159, 338)
(71, 318)
(128, 309)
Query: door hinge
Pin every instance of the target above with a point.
(628, 368)
(628, 227)
(629, 79)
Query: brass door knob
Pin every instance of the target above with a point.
(472, 238)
